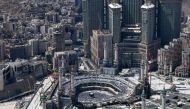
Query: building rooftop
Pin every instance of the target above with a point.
(102, 32)
(147, 6)
(114, 5)
(18, 62)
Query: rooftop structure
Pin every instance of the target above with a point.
(70, 58)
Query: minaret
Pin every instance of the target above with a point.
(61, 72)
(163, 98)
(72, 87)
(146, 68)
(2, 81)
(165, 69)
(170, 77)
(168, 69)
(170, 72)
(146, 64)
(161, 68)
(105, 61)
(86, 49)
(171, 67)
(143, 99)
(60, 90)
(147, 85)
(116, 56)
(142, 71)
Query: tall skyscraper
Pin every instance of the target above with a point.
(169, 12)
(93, 16)
(93, 19)
(130, 33)
(132, 12)
(106, 13)
(148, 23)
(114, 21)
(99, 40)
(149, 42)
(58, 41)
